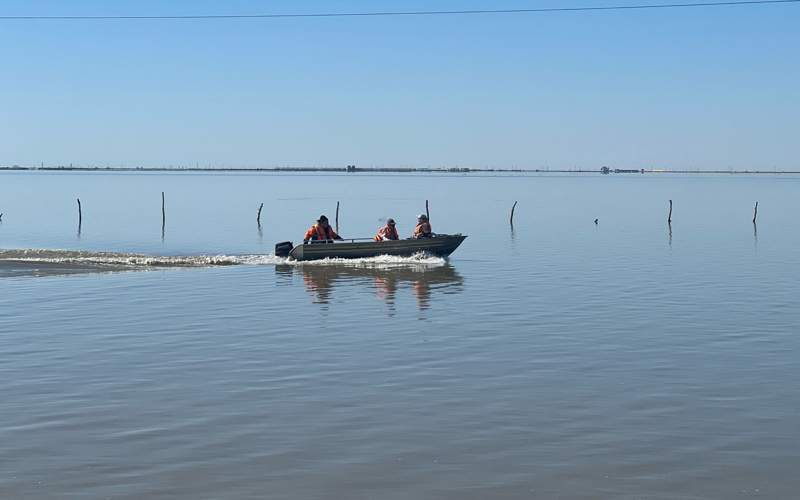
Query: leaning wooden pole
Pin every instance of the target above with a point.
(427, 211)
(669, 217)
(337, 216)
(755, 213)
(258, 217)
(511, 219)
(163, 213)
(80, 212)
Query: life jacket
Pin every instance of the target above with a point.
(423, 230)
(318, 233)
(387, 233)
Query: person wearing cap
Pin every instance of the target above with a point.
(387, 232)
(321, 231)
(423, 229)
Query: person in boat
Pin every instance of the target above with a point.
(387, 232)
(423, 229)
(321, 231)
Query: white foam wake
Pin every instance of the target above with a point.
(134, 260)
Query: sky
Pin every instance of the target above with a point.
(681, 88)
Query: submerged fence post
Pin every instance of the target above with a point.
(163, 215)
(669, 217)
(80, 217)
(258, 217)
(337, 216)
(427, 212)
(511, 219)
(755, 213)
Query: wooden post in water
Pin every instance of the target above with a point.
(669, 217)
(427, 212)
(163, 215)
(258, 217)
(755, 213)
(80, 217)
(337, 216)
(511, 219)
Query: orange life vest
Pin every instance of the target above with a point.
(387, 233)
(423, 230)
(318, 233)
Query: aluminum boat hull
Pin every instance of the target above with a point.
(440, 246)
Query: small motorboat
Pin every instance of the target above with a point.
(439, 245)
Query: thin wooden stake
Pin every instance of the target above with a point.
(163, 214)
(337, 216)
(80, 213)
(427, 212)
(258, 217)
(511, 219)
(669, 217)
(755, 213)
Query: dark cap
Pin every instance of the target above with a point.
(390, 222)
(322, 218)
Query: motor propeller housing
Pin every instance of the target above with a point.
(283, 248)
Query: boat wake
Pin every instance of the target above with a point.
(44, 262)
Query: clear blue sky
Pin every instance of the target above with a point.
(701, 87)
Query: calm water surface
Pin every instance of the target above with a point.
(561, 359)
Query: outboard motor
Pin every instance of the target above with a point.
(283, 248)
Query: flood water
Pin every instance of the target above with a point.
(557, 359)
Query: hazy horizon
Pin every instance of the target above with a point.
(389, 168)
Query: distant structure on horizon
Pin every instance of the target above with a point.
(606, 171)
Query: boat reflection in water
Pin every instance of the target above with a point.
(425, 282)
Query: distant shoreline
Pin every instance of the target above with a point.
(353, 169)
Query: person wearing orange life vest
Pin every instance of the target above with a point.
(423, 229)
(387, 232)
(321, 231)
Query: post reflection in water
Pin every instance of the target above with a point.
(425, 282)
